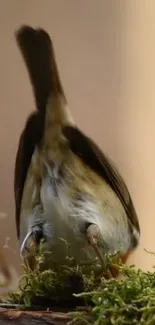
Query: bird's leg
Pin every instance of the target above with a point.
(34, 230)
(32, 239)
(31, 243)
(94, 235)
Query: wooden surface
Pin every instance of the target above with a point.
(18, 317)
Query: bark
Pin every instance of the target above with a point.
(19, 317)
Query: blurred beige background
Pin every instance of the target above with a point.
(106, 55)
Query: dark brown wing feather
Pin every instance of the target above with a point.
(91, 154)
(30, 136)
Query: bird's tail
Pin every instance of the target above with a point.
(38, 53)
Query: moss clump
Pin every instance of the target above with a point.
(54, 287)
(51, 288)
(120, 302)
(130, 300)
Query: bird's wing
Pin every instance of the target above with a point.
(29, 138)
(38, 53)
(92, 155)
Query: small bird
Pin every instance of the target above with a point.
(68, 193)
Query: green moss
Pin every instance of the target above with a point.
(130, 300)
(54, 287)
(119, 302)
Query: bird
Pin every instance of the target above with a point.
(69, 195)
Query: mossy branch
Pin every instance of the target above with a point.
(130, 300)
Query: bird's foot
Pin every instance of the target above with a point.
(30, 245)
(94, 236)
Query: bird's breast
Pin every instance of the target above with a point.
(71, 196)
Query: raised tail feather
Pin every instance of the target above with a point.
(38, 53)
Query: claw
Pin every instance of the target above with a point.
(30, 245)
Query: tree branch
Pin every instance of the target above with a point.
(18, 317)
